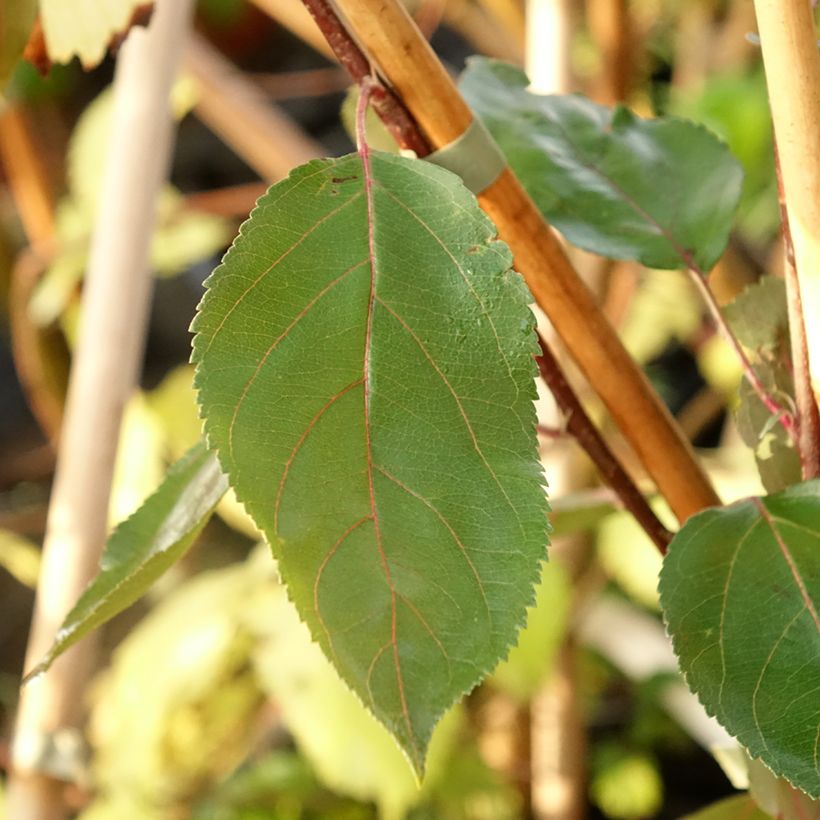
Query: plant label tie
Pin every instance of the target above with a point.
(474, 156)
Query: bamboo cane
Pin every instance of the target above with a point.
(792, 63)
(116, 299)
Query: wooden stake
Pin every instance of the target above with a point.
(115, 312)
(792, 63)
(407, 62)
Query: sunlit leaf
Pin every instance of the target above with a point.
(19, 557)
(84, 28)
(740, 590)
(145, 545)
(663, 192)
(365, 368)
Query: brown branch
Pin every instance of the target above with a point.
(385, 103)
(581, 427)
(808, 417)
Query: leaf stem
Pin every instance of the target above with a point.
(581, 427)
(785, 417)
(808, 417)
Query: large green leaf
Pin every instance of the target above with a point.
(365, 368)
(663, 192)
(740, 590)
(145, 545)
(741, 807)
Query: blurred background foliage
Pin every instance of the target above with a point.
(212, 703)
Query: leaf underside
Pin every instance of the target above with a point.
(662, 192)
(365, 369)
(740, 590)
(146, 544)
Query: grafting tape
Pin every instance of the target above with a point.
(474, 156)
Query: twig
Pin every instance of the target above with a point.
(581, 427)
(549, 41)
(417, 77)
(116, 298)
(808, 417)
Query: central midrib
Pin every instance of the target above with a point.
(364, 153)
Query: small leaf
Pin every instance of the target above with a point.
(145, 545)
(759, 316)
(663, 192)
(365, 368)
(740, 590)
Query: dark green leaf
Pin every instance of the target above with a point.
(145, 545)
(365, 368)
(740, 590)
(663, 192)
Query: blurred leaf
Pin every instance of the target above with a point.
(145, 545)
(16, 21)
(778, 798)
(735, 106)
(747, 634)
(580, 511)
(625, 785)
(181, 237)
(351, 752)
(415, 568)
(173, 401)
(140, 464)
(84, 28)
(179, 707)
(20, 558)
(629, 557)
(741, 807)
(530, 660)
(658, 191)
(759, 316)
(665, 308)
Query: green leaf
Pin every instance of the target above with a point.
(365, 369)
(759, 315)
(740, 590)
(145, 545)
(16, 22)
(741, 807)
(663, 191)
